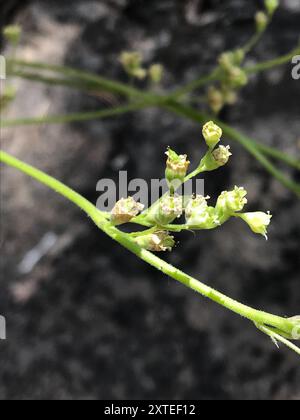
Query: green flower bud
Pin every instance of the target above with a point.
(257, 221)
(170, 208)
(231, 202)
(212, 134)
(156, 72)
(199, 215)
(177, 167)
(231, 59)
(125, 210)
(222, 155)
(215, 159)
(271, 6)
(261, 20)
(237, 77)
(13, 34)
(132, 64)
(229, 95)
(159, 241)
(215, 99)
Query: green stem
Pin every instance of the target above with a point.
(77, 117)
(256, 316)
(100, 82)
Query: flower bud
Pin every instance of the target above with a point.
(159, 241)
(271, 6)
(166, 211)
(261, 20)
(258, 222)
(177, 167)
(212, 134)
(222, 155)
(156, 72)
(237, 77)
(215, 99)
(13, 34)
(132, 64)
(230, 96)
(199, 215)
(125, 210)
(231, 202)
(215, 159)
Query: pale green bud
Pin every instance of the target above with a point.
(231, 202)
(132, 64)
(215, 99)
(271, 6)
(177, 166)
(258, 222)
(222, 155)
(199, 215)
(159, 241)
(13, 34)
(237, 77)
(156, 72)
(261, 20)
(231, 59)
(212, 134)
(166, 210)
(215, 159)
(125, 210)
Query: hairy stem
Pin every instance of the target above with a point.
(258, 317)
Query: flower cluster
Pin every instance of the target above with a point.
(132, 63)
(198, 214)
(232, 77)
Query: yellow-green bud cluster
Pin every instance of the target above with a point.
(232, 77)
(125, 210)
(214, 158)
(132, 62)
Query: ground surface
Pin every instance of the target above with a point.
(89, 320)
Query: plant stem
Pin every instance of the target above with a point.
(258, 317)
(77, 117)
(100, 82)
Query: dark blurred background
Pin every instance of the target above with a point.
(90, 321)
